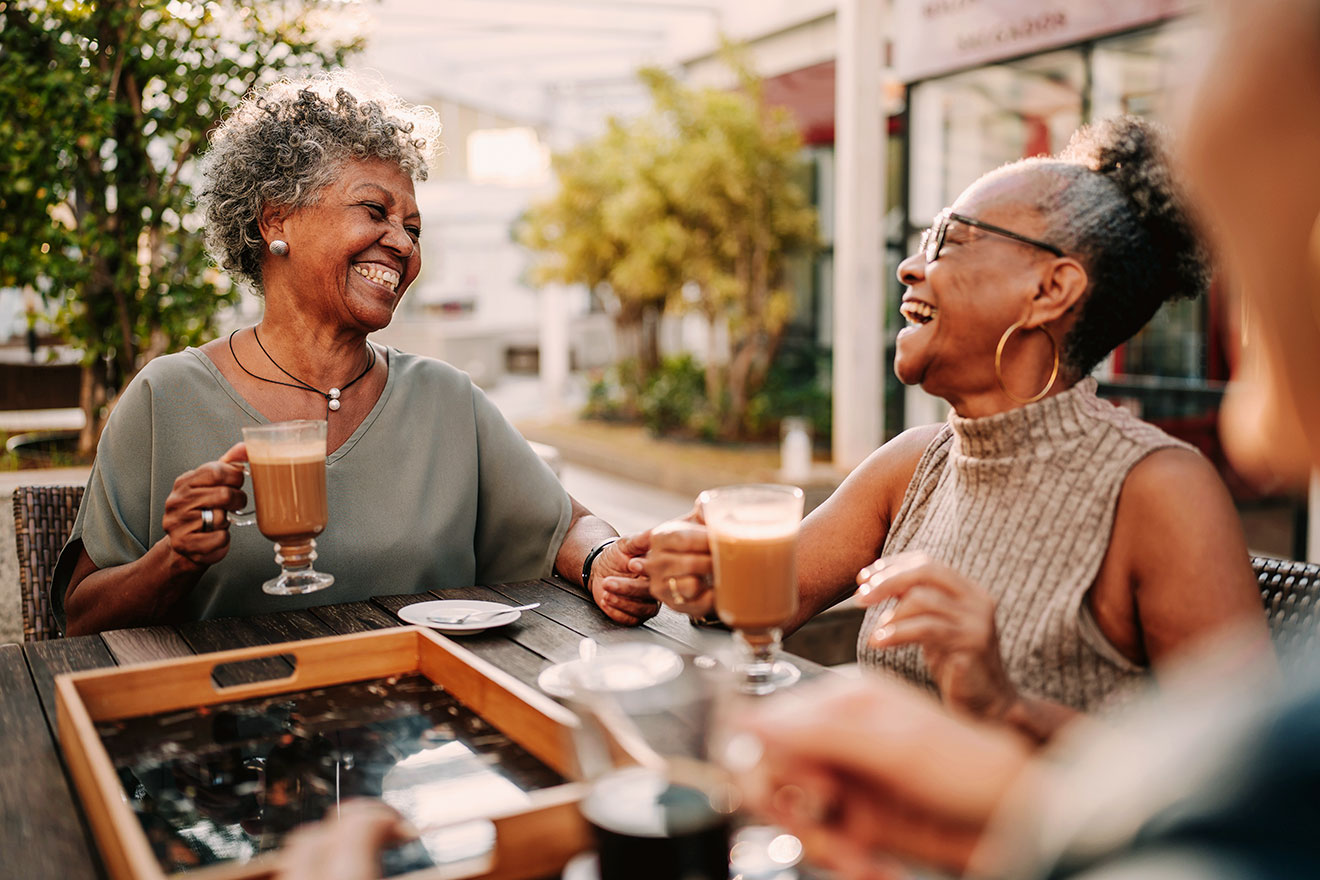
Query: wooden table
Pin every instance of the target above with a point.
(42, 831)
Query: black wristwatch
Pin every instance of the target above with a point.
(591, 559)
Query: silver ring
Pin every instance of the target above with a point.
(208, 519)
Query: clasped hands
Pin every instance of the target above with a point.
(619, 584)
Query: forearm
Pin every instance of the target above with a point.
(813, 598)
(138, 593)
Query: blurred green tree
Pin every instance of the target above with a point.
(606, 227)
(103, 107)
(693, 207)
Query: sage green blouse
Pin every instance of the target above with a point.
(435, 489)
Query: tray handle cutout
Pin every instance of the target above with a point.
(277, 668)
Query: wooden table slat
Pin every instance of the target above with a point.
(354, 617)
(668, 622)
(577, 618)
(205, 636)
(144, 644)
(51, 657)
(42, 833)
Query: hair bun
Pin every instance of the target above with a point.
(1130, 152)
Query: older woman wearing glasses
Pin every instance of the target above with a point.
(1036, 554)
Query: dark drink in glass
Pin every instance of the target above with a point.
(651, 826)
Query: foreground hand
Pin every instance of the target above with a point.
(347, 848)
(216, 486)
(867, 772)
(619, 584)
(680, 566)
(953, 620)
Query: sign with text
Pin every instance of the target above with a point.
(937, 36)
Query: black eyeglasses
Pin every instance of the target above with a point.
(932, 240)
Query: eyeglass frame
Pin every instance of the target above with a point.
(932, 239)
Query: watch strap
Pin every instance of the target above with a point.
(591, 560)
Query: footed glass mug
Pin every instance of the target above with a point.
(287, 463)
(753, 544)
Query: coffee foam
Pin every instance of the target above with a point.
(285, 453)
(731, 527)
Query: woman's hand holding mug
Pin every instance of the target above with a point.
(196, 520)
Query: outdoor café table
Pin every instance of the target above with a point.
(42, 830)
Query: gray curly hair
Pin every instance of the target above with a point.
(282, 145)
(1113, 203)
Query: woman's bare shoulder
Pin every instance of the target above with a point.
(1172, 478)
(1176, 514)
(897, 460)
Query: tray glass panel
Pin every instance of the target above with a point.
(228, 781)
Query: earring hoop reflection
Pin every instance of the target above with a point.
(999, 357)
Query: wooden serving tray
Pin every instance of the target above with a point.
(532, 842)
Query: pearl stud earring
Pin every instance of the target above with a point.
(279, 247)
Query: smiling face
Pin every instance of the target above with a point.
(957, 307)
(352, 253)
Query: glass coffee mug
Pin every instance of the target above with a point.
(287, 463)
(753, 544)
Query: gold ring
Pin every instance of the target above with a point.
(674, 593)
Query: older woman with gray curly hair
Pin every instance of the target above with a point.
(309, 199)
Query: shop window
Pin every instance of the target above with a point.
(966, 124)
(1147, 73)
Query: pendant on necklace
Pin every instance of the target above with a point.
(332, 399)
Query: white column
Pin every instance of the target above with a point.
(1313, 519)
(859, 156)
(554, 346)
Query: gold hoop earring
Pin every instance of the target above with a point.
(999, 370)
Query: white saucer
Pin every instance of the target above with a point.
(418, 612)
(623, 667)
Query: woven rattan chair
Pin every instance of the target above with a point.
(43, 518)
(1291, 593)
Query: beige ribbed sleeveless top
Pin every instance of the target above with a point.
(1023, 503)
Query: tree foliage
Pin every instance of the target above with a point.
(694, 206)
(103, 108)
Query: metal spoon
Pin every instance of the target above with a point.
(482, 614)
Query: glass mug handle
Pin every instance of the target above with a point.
(244, 517)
